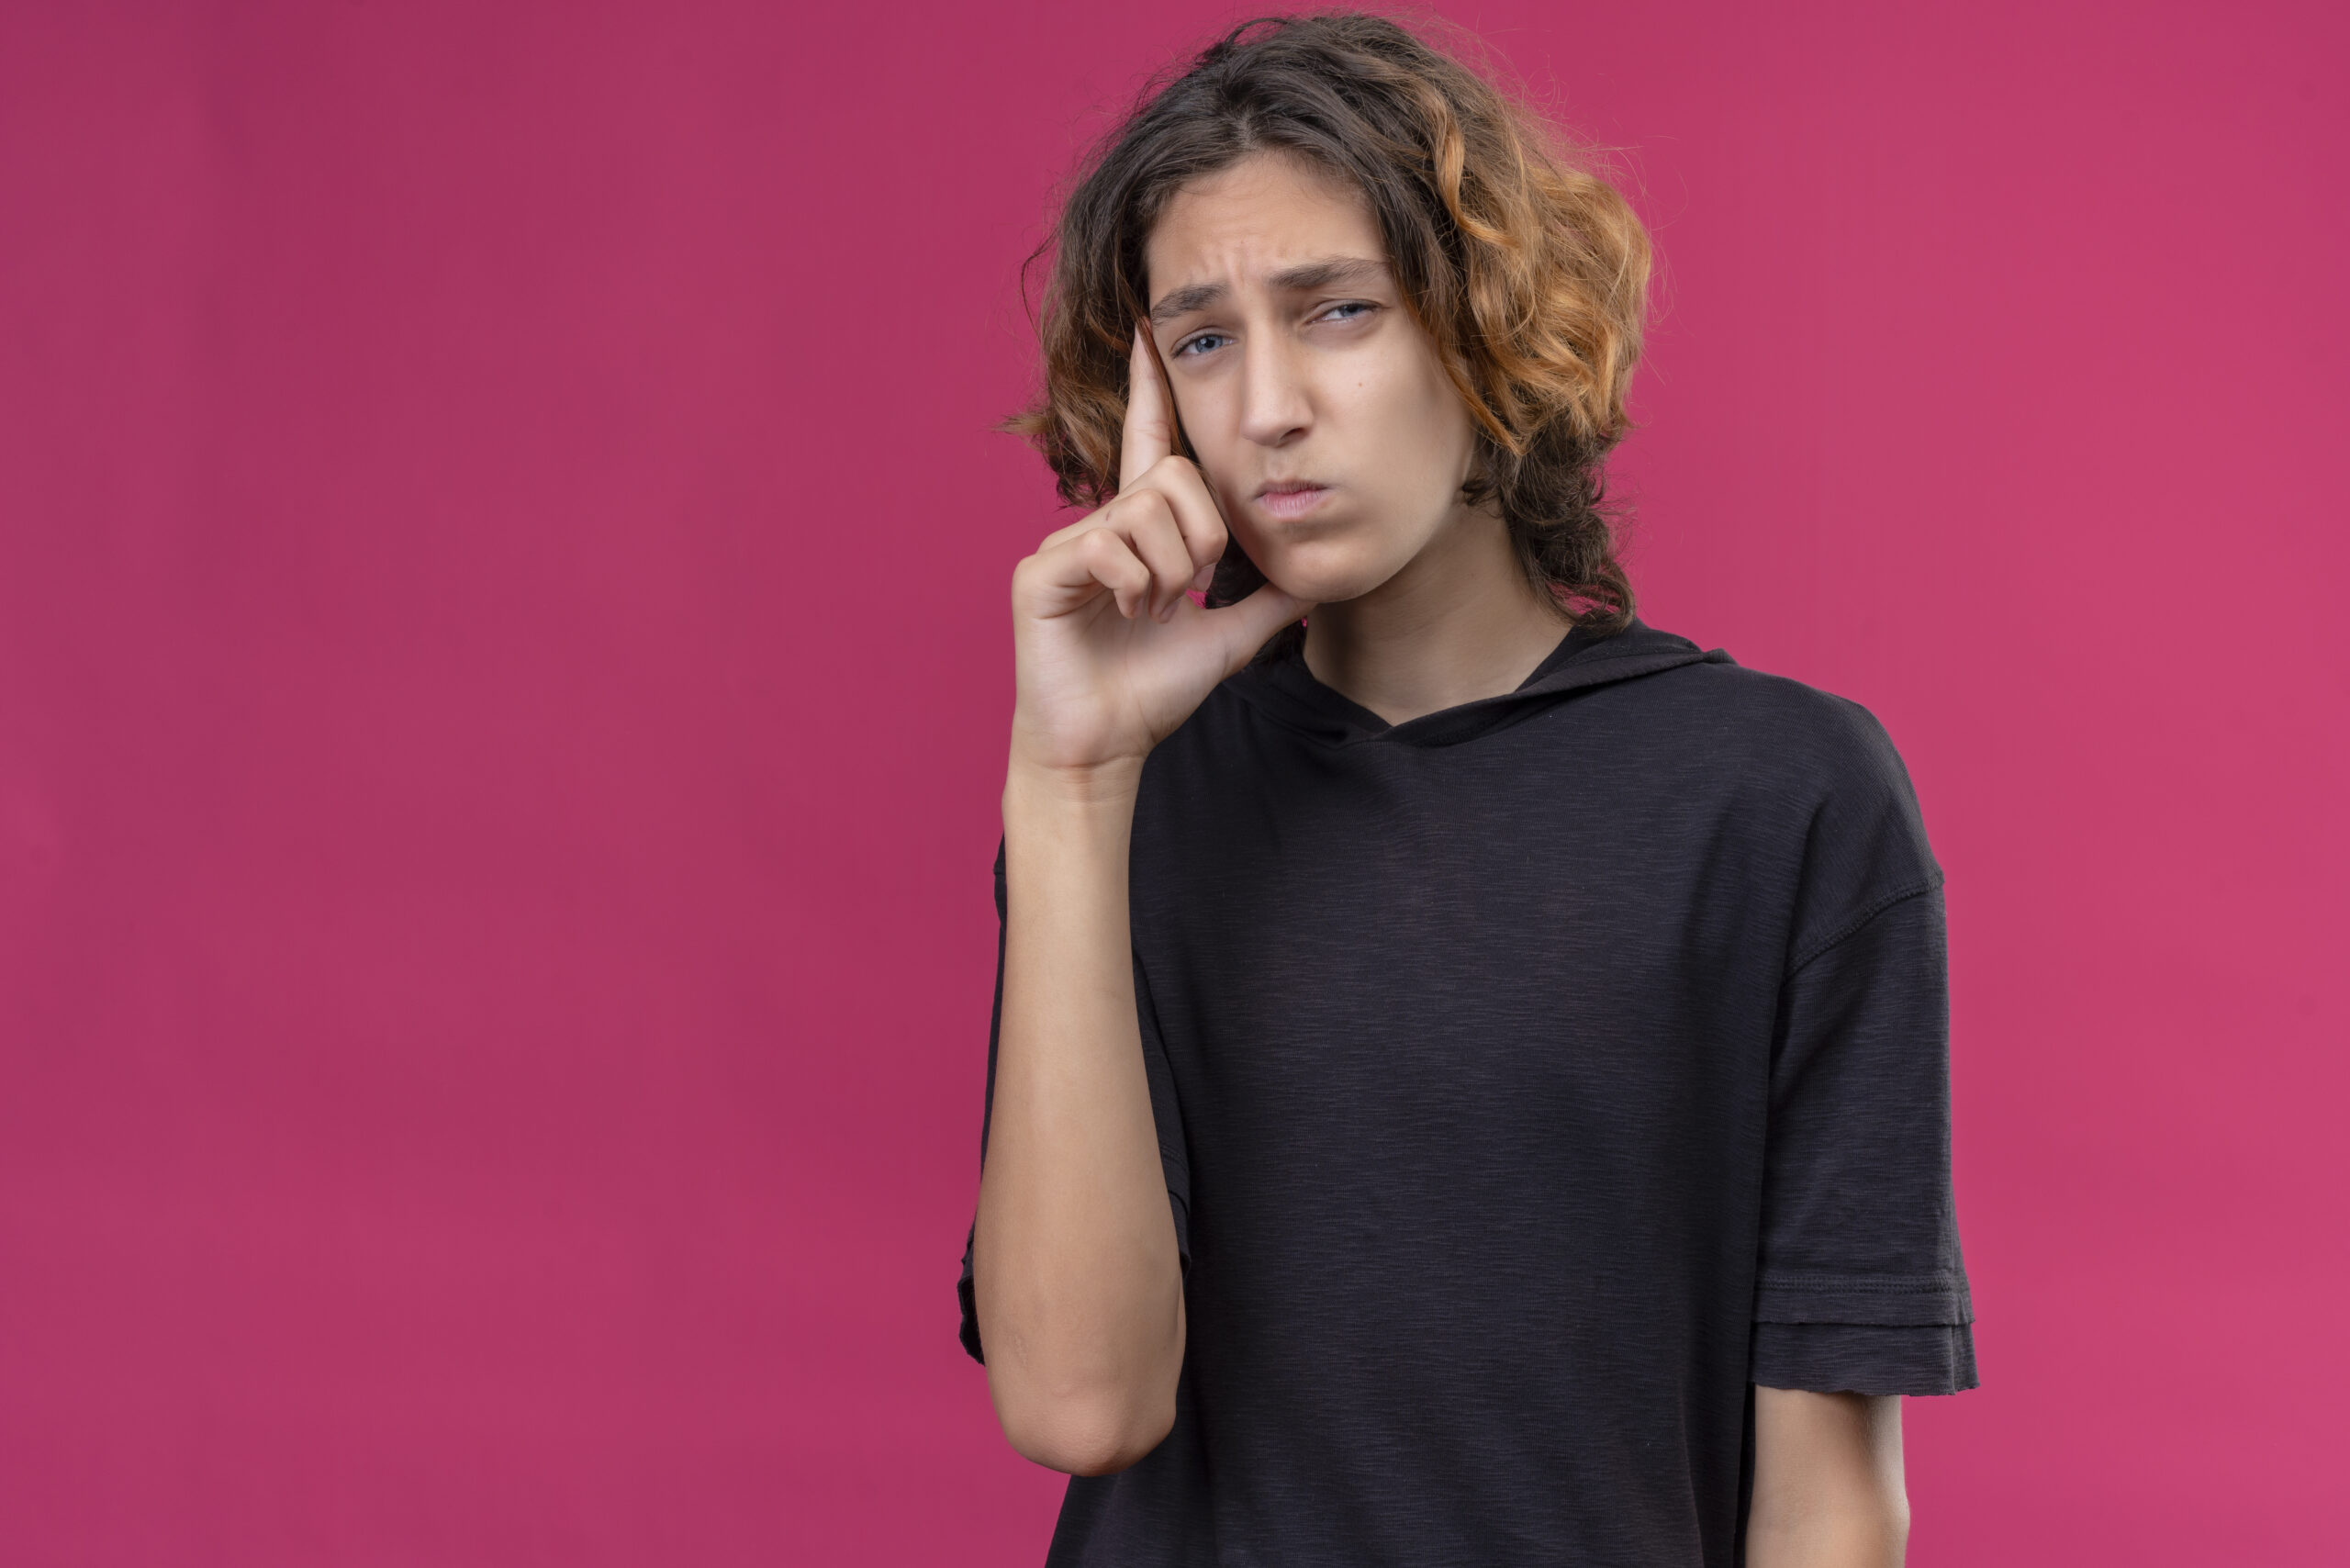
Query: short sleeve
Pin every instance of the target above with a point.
(1164, 1112)
(1862, 1286)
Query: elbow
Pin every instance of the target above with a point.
(1085, 1392)
(1092, 1433)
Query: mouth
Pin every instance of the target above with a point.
(1289, 498)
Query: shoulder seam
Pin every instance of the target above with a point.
(1854, 926)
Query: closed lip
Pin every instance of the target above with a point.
(1287, 487)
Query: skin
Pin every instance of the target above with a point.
(1828, 1482)
(1290, 358)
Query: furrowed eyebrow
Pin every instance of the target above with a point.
(1184, 301)
(1327, 273)
(1306, 276)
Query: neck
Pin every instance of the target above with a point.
(1458, 623)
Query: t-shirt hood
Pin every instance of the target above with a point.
(1288, 693)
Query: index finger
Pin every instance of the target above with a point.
(1150, 425)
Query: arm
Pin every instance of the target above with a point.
(1828, 1483)
(1075, 1279)
(1074, 1266)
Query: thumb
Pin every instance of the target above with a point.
(1245, 626)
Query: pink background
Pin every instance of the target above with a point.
(504, 671)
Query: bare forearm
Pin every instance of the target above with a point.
(1829, 1491)
(1074, 1262)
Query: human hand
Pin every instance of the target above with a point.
(1110, 653)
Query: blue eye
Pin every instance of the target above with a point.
(1191, 343)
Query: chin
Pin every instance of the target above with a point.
(1320, 574)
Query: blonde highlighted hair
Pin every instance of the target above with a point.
(1528, 271)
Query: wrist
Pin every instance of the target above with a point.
(1092, 786)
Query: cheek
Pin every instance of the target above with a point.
(1448, 428)
(1208, 426)
(1419, 434)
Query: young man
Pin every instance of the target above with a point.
(1469, 1076)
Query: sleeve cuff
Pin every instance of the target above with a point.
(1864, 1358)
(1890, 1301)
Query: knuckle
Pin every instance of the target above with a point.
(1105, 552)
(1133, 508)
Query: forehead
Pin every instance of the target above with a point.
(1266, 212)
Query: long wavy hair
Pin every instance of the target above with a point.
(1527, 271)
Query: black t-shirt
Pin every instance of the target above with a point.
(1531, 1078)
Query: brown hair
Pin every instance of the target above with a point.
(1529, 273)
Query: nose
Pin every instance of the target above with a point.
(1276, 406)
